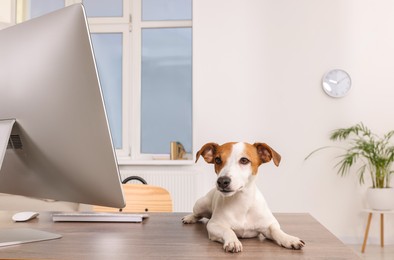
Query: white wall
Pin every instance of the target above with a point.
(258, 66)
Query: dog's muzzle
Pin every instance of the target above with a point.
(223, 184)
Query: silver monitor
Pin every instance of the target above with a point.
(51, 101)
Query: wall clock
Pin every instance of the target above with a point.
(336, 83)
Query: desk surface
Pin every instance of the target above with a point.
(163, 236)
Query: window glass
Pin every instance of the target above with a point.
(103, 8)
(160, 10)
(166, 91)
(41, 7)
(108, 52)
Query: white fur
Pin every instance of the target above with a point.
(242, 213)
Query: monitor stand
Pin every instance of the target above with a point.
(5, 133)
(14, 236)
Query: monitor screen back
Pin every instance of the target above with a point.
(49, 85)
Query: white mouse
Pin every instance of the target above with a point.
(24, 216)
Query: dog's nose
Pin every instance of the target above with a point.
(223, 182)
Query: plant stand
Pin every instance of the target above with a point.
(370, 212)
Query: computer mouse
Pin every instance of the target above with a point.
(24, 216)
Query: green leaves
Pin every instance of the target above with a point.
(344, 133)
(367, 150)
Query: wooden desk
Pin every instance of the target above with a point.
(163, 236)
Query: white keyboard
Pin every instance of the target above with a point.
(97, 217)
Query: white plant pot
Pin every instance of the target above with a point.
(380, 199)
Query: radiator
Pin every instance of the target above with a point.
(181, 184)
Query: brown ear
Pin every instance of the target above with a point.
(266, 153)
(207, 152)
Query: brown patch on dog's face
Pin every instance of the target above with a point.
(215, 154)
(255, 154)
(222, 155)
(252, 155)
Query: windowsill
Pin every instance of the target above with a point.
(125, 162)
(157, 159)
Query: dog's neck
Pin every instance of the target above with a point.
(250, 185)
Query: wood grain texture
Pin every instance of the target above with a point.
(163, 236)
(142, 198)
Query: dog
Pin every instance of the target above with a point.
(235, 207)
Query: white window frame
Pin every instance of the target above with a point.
(136, 26)
(131, 25)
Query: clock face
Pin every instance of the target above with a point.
(336, 83)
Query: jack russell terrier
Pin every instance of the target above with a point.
(236, 207)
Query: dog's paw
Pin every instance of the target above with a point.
(292, 242)
(190, 219)
(233, 246)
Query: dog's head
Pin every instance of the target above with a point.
(236, 163)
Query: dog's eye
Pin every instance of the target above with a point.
(218, 160)
(244, 160)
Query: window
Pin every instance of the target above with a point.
(143, 50)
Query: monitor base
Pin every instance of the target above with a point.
(16, 236)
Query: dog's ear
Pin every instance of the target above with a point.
(207, 152)
(266, 153)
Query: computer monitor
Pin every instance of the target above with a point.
(51, 101)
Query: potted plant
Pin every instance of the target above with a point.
(373, 155)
